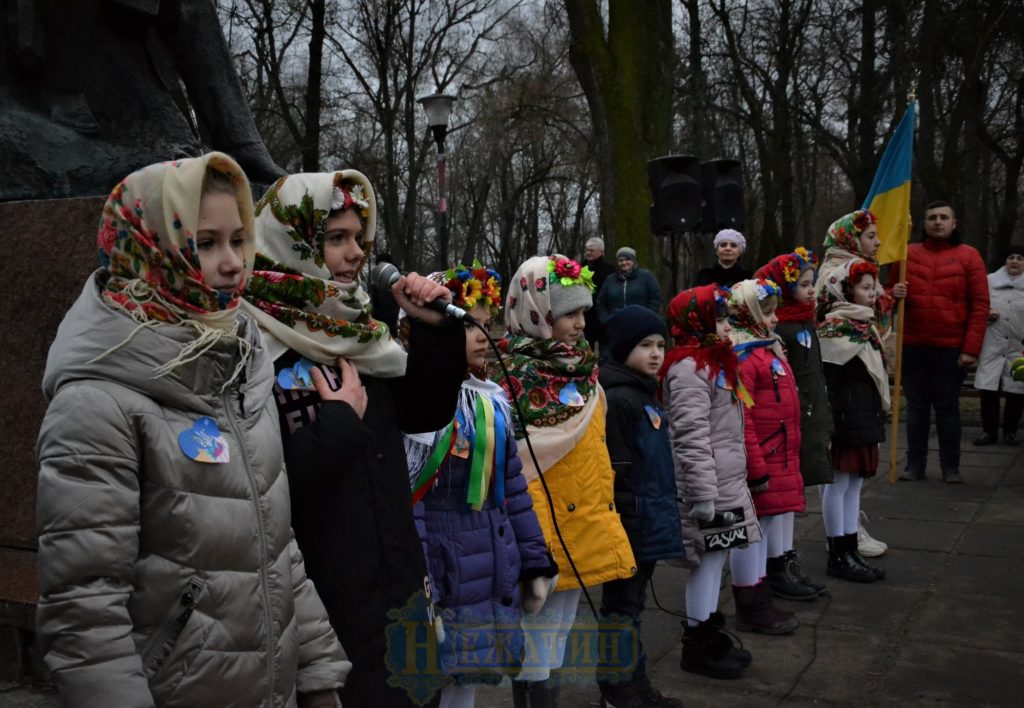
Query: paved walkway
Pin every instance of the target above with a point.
(942, 629)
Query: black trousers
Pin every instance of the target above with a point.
(1011, 412)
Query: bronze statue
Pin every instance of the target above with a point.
(92, 89)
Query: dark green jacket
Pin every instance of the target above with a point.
(804, 355)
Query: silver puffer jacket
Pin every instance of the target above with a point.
(165, 581)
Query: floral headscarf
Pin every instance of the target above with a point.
(554, 383)
(842, 243)
(786, 270)
(528, 308)
(844, 233)
(146, 243)
(749, 326)
(848, 329)
(292, 294)
(693, 324)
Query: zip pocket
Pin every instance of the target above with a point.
(159, 646)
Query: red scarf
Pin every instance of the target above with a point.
(692, 319)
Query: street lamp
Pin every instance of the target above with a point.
(439, 110)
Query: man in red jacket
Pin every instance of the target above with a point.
(946, 314)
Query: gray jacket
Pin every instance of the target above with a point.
(165, 581)
(705, 427)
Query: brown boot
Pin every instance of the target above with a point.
(756, 613)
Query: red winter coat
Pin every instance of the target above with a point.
(947, 296)
(772, 433)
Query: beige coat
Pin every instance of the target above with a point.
(165, 581)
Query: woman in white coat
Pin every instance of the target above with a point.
(1004, 340)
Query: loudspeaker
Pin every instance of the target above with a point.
(675, 193)
(722, 185)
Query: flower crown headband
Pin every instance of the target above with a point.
(858, 270)
(767, 289)
(796, 263)
(568, 272)
(350, 195)
(476, 284)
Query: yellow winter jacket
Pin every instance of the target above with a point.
(583, 494)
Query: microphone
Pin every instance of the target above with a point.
(385, 275)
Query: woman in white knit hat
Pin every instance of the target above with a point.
(727, 271)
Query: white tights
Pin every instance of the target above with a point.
(840, 504)
(456, 696)
(748, 565)
(703, 587)
(780, 535)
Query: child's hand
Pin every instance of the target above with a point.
(703, 511)
(351, 392)
(899, 291)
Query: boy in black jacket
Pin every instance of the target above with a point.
(645, 489)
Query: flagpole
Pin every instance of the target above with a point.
(898, 377)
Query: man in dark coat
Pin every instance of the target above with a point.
(629, 286)
(594, 258)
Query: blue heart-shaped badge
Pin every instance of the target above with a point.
(203, 442)
(570, 396)
(777, 368)
(298, 377)
(654, 416)
(803, 337)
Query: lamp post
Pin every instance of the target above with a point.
(439, 109)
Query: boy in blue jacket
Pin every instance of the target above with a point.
(645, 488)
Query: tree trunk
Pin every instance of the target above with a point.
(625, 74)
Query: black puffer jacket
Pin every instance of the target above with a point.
(856, 405)
(803, 351)
(351, 501)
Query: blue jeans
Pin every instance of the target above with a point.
(932, 379)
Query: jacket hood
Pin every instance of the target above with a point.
(91, 327)
(612, 374)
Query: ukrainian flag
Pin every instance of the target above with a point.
(889, 196)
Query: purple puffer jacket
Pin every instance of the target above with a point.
(476, 561)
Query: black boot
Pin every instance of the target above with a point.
(785, 584)
(741, 655)
(842, 565)
(520, 698)
(707, 651)
(756, 613)
(851, 546)
(792, 559)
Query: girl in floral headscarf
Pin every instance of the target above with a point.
(703, 394)
(854, 235)
(858, 388)
(798, 330)
(772, 438)
(346, 391)
(553, 377)
(166, 557)
(486, 554)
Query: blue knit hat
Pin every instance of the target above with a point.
(629, 326)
